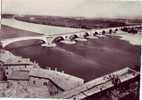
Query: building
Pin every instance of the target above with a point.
(20, 77)
(21, 72)
(55, 81)
(18, 72)
(30, 75)
(9, 68)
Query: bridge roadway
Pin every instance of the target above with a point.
(50, 40)
(97, 85)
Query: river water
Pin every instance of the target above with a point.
(87, 60)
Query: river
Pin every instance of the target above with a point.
(87, 60)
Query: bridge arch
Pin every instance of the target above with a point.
(116, 29)
(82, 34)
(103, 32)
(96, 33)
(26, 43)
(57, 39)
(110, 31)
(74, 36)
(86, 34)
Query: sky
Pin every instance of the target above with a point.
(77, 8)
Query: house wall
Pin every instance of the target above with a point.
(40, 82)
(10, 69)
(20, 82)
(34, 81)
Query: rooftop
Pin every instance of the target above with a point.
(63, 80)
(18, 75)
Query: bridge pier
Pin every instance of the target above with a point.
(92, 35)
(67, 40)
(82, 37)
(48, 43)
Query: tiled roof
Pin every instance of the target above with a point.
(18, 75)
(62, 80)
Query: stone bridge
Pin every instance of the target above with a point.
(53, 39)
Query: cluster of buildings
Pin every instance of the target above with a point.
(23, 78)
(32, 78)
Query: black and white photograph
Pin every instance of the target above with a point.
(70, 49)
